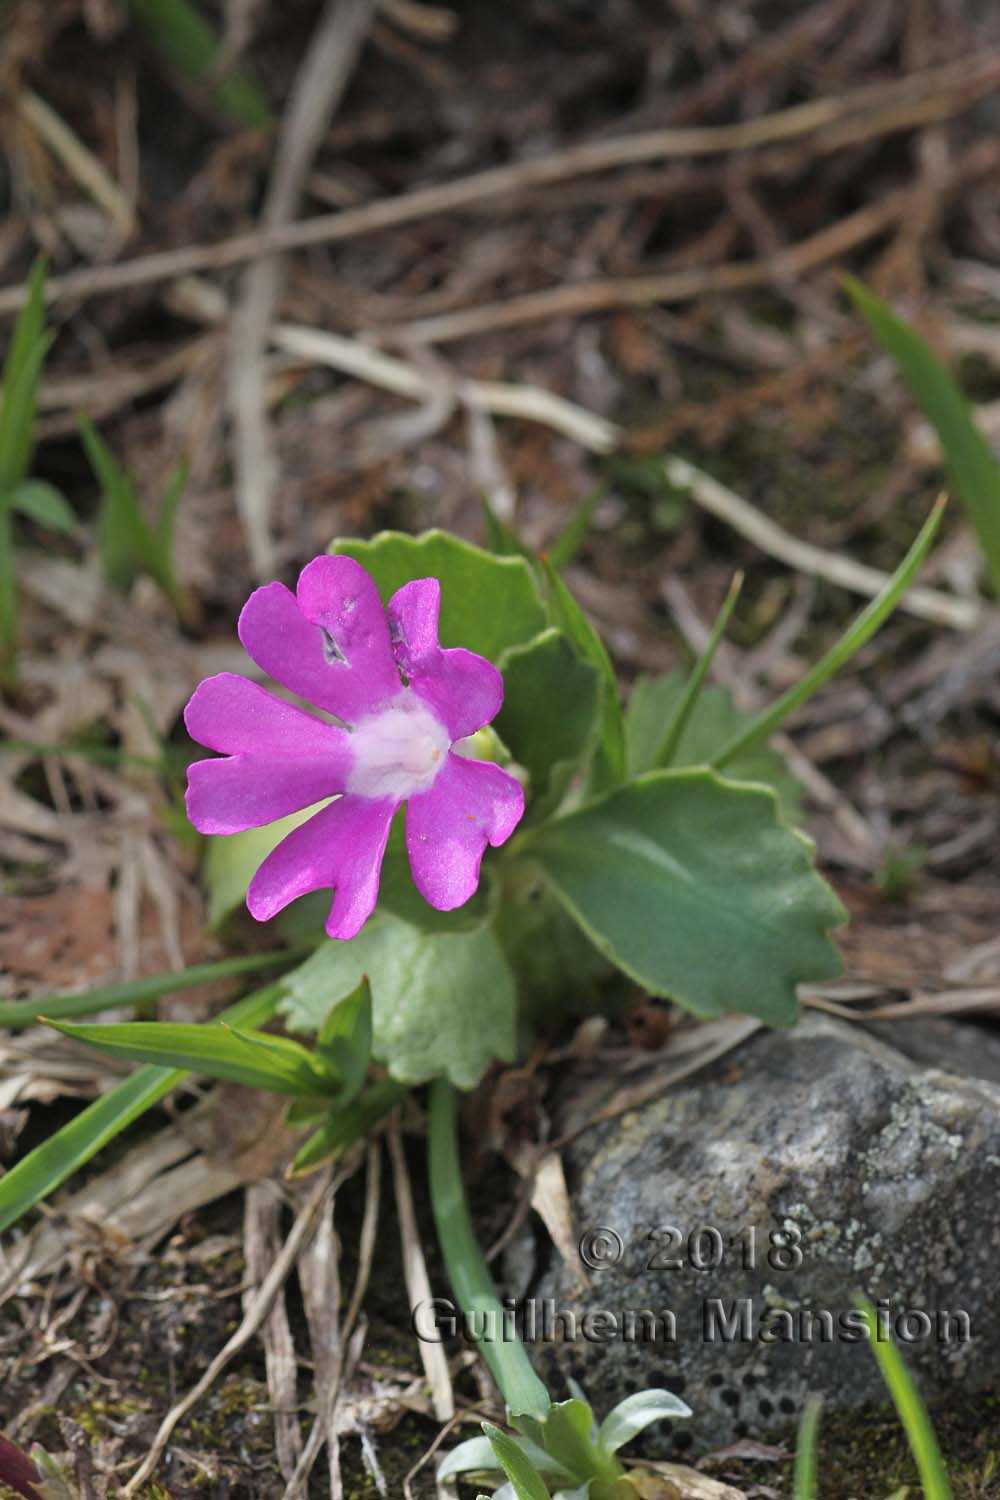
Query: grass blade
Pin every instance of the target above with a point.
(566, 545)
(43, 1170)
(22, 374)
(668, 747)
(218, 1050)
(18, 1013)
(912, 1412)
(805, 1450)
(971, 466)
(608, 767)
(179, 31)
(763, 725)
(347, 1125)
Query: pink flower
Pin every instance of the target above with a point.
(402, 701)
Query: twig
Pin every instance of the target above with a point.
(963, 82)
(719, 1037)
(947, 1003)
(418, 1285)
(720, 501)
(682, 285)
(323, 1429)
(352, 357)
(81, 163)
(261, 1241)
(253, 1317)
(319, 86)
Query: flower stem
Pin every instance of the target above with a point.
(470, 1277)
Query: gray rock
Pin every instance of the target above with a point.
(803, 1167)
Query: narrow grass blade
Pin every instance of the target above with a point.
(567, 544)
(347, 1125)
(912, 1412)
(971, 466)
(608, 767)
(344, 1040)
(8, 597)
(805, 1450)
(763, 725)
(43, 1170)
(503, 539)
(18, 1013)
(22, 376)
(678, 723)
(123, 536)
(179, 31)
(254, 1059)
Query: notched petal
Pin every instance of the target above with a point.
(471, 804)
(465, 690)
(340, 848)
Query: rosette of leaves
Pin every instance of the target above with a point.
(660, 842)
(566, 1455)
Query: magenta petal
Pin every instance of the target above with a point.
(330, 643)
(465, 690)
(237, 717)
(341, 600)
(240, 792)
(280, 759)
(471, 804)
(340, 847)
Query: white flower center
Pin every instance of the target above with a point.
(399, 751)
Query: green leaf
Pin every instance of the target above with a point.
(17, 1013)
(488, 604)
(348, 1124)
(442, 1003)
(45, 505)
(476, 1456)
(762, 725)
(714, 721)
(345, 1040)
(252, 1058)
(631, 1416)
(528, 1483)
(972, 469)
(693, 886)
(549, 714)
(554, 963)
(609, 762)
(805, 1450)
(570, 1438)
(180, 32)
(39, 1173)
(912, 1412)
